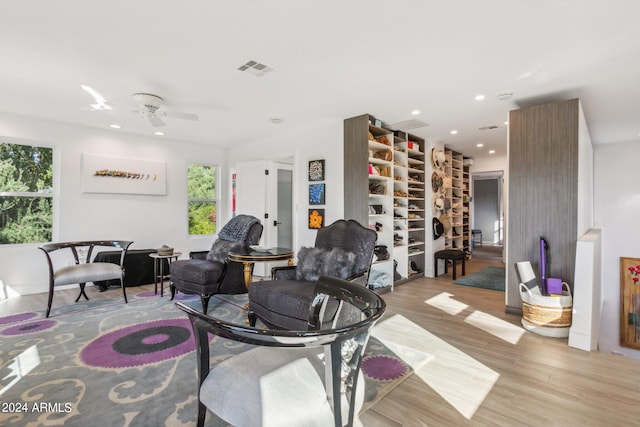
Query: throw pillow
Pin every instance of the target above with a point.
(221, 248)
(316, 262)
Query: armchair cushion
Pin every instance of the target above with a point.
(316, 262)
(285, 303)
(81, 273)
(197, 271)
(269, 394)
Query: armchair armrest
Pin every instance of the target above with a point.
(198, 254)
(359, 278)
(284, 273)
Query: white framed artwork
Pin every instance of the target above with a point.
(102, 174)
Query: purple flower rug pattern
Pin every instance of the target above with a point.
(140, 344)
(112, 364)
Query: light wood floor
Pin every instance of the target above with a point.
(485, 370)
(474, 364)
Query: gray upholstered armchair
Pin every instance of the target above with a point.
(210, 273)
(343, 249)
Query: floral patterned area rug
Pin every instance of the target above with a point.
(113, 364)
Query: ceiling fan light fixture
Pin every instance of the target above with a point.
(150, 109)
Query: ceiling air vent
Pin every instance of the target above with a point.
(488, 127)
(255, 68)
(409, 124)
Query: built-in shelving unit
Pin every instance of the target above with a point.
(388, 167)
(466, 201)
(457, 197)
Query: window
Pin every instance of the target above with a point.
(201, 182)
(26, 191)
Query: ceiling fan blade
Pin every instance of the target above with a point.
(186, 116)
(155, 120)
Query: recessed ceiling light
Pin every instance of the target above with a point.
(276, 121)
(159, 133)
(415, 112)
(454, 132)
(492, 151)
(479, 97)
(505, 96)
(115, 126)
(480, 145)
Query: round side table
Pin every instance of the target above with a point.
(158, 269)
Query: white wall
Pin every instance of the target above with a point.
(617, 213)
(150, 221)
(322, 140)
(585, 175)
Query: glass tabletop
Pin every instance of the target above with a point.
(250, 254)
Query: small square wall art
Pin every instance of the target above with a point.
(316, 194)
(316, 219)
(316, 170)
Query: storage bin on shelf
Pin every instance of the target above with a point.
(546, 315)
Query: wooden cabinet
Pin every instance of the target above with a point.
(384, 188)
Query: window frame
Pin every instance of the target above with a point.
(215, 199)
(50, 193)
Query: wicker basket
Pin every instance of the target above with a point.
(546, 315)
(165, 250)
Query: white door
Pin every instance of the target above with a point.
(261, 191)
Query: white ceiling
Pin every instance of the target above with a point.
(331, 59)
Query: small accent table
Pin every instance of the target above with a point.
(249, 256)
(449, 255)
(158, 266)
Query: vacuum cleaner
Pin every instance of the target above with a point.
(544, 259)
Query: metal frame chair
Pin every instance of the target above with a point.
(344, 343)
(83, 271)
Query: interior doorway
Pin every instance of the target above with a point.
(284, 209)
(488, 214)
(265, 189)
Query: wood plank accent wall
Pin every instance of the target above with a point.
(543, 191)
(356, 176)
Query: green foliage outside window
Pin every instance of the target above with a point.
(26, 176)
(201, 193)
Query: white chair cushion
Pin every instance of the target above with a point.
(270, 386)
(82, 273)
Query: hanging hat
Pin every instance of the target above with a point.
(444, 219)
(437, 158)
(436, 181)
(438, 228)
(447, 204)
(447, 182)
(438, 203)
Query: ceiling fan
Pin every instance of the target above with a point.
(150, 108)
